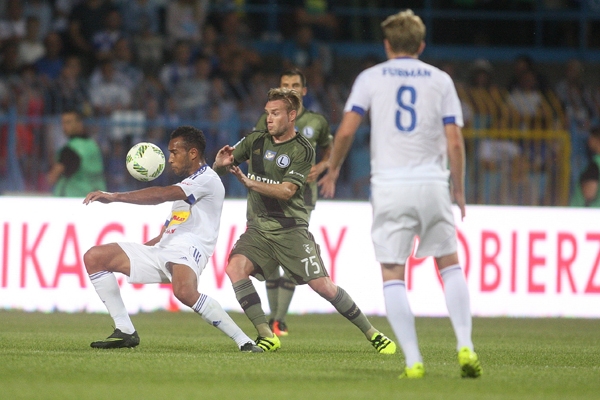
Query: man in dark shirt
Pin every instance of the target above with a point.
(586, 191)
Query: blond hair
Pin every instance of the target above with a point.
(290, 97)
(404, 31)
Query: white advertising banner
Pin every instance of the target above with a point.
(519, 261)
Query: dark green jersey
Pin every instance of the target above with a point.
(315, 128)
(276, 163)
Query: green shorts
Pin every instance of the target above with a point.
(294, 250)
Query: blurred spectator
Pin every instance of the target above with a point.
(148, 49)
(235, 37)
(184, 20)
(67, 92)
(149, 89)
(580, 110)
(13, 25)
(179, 68)
(139, 16)
(31, 46)
(529, 178)
(192, 94)
(104, 40)
(305, 52)
(42, 10)
(86, 18)
(109, 90)
(62, 11)
(123, 62)
(586, 189)
(49, 66)
(523, 64)
(9, 62)
(237, 77)
(317, 14)
(79, 168)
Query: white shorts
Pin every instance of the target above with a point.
(401, 212)
(149, 263)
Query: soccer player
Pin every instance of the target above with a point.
(416, 123)
(277, 233)
(79, 168)
(178, 254)
(314, 126)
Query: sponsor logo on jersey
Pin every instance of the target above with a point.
(270, 155)
(292, 172)
(262, 179)
(306, 248)
(178, 217)
(283, 161)
(308, 132)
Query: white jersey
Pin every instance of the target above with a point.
(195, 221)
(410, 102)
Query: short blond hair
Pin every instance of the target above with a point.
(290, 97)
(405, 32)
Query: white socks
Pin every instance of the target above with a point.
(107, 288)
(212, 312)
(402, 319)
(458, 304)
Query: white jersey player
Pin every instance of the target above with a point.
(178, 254)
(416, 123)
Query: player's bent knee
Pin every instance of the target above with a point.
(187, 294)
(92, 260)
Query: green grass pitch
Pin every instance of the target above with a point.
(47, 356)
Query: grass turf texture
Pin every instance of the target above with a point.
(47, 356)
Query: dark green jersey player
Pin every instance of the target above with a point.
(277, 231)
(274, 163)
(315, 128)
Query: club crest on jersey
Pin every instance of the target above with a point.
(283, 161)
(308, 132)
(270, 155)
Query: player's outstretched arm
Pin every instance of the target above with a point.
(148, 196)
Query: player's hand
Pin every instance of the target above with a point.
(327, 183)
(239, 174)
(99, 196)
(459, 198)
(315, 171)
(224, 157)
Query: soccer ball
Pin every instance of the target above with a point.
(145, 161)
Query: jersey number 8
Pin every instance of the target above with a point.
(406, 108)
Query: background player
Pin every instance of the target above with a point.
(416, 122)
(277, 228)
(178, 254)
(314, 126)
